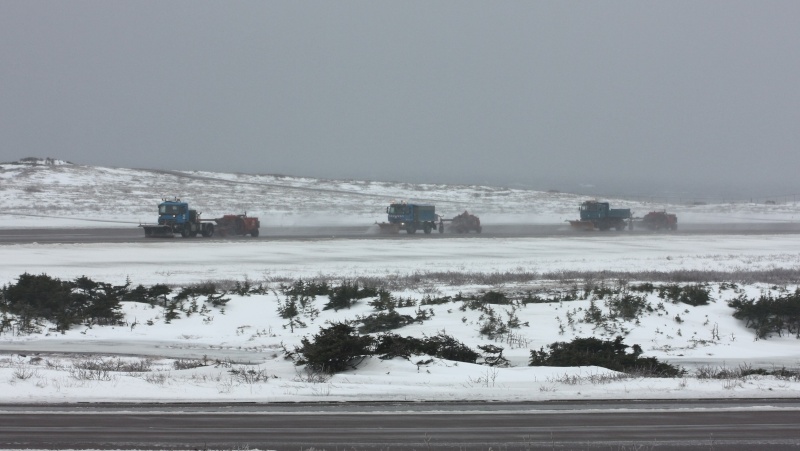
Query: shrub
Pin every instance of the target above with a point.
(690, 294)
(389, 346)
(494, 356)
(604, 353)
(428, 300)
(382, 322)
(769, 314)
(385, 301)
(447, 347)
(204, 289)
(695, 295)
(495, 297)
(646, 287)
(444, 346)
(65, 303)
(346, 294)
(303, 288)
(627, 306)
(334, 349)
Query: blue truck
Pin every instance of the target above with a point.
(599, 215)
(411, 217)
(175, 216)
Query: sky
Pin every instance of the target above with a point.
(617, 97)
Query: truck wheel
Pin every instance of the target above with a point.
(411, 230)
(441, 227)
(193, 233)
(208, 230)
(185, 232)
(427, 229)
(254, 233)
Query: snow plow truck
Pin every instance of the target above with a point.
(599, 215)
(175, 216)
(413, 217)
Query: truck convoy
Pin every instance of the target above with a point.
(598, 215)
(175, 216)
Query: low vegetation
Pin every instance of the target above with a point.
(339, 348)
(770, 314)
(611, 308)
(604, 353)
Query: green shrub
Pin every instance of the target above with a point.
(65, 303)
(335, 349)
(604, 353)
(695, 295)
(347, 294)
(495, 297)
(627, 306)
(769, 314)
(444, 346)
(384, 321)
(690, 294)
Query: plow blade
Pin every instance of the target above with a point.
(157, 232)
(388, 228)
(582, 225)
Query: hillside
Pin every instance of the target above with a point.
(92, 196)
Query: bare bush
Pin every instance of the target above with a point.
(311, 375)
(743, 372)
(188, 364)
(95, 374)
(156, 378)
(24, 372)
(114, 365)
(249, 375)
(594, 379)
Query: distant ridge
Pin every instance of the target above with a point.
(37, 161)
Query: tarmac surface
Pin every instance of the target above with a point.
(135, 234)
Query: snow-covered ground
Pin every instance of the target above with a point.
(56, 195)
(237, 353)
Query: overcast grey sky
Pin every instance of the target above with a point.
(638, 95)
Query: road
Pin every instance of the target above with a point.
(134, 234)
(707, 425)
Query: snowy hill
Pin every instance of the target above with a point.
(92, 196)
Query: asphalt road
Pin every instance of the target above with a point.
(708, 425)
(135, 234)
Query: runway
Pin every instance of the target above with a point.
(135, 234)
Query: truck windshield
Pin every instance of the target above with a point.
(170, 209)
(397, 209)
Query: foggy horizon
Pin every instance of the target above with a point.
(616, 97)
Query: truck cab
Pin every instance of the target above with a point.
(594, 210)
(175, 212)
